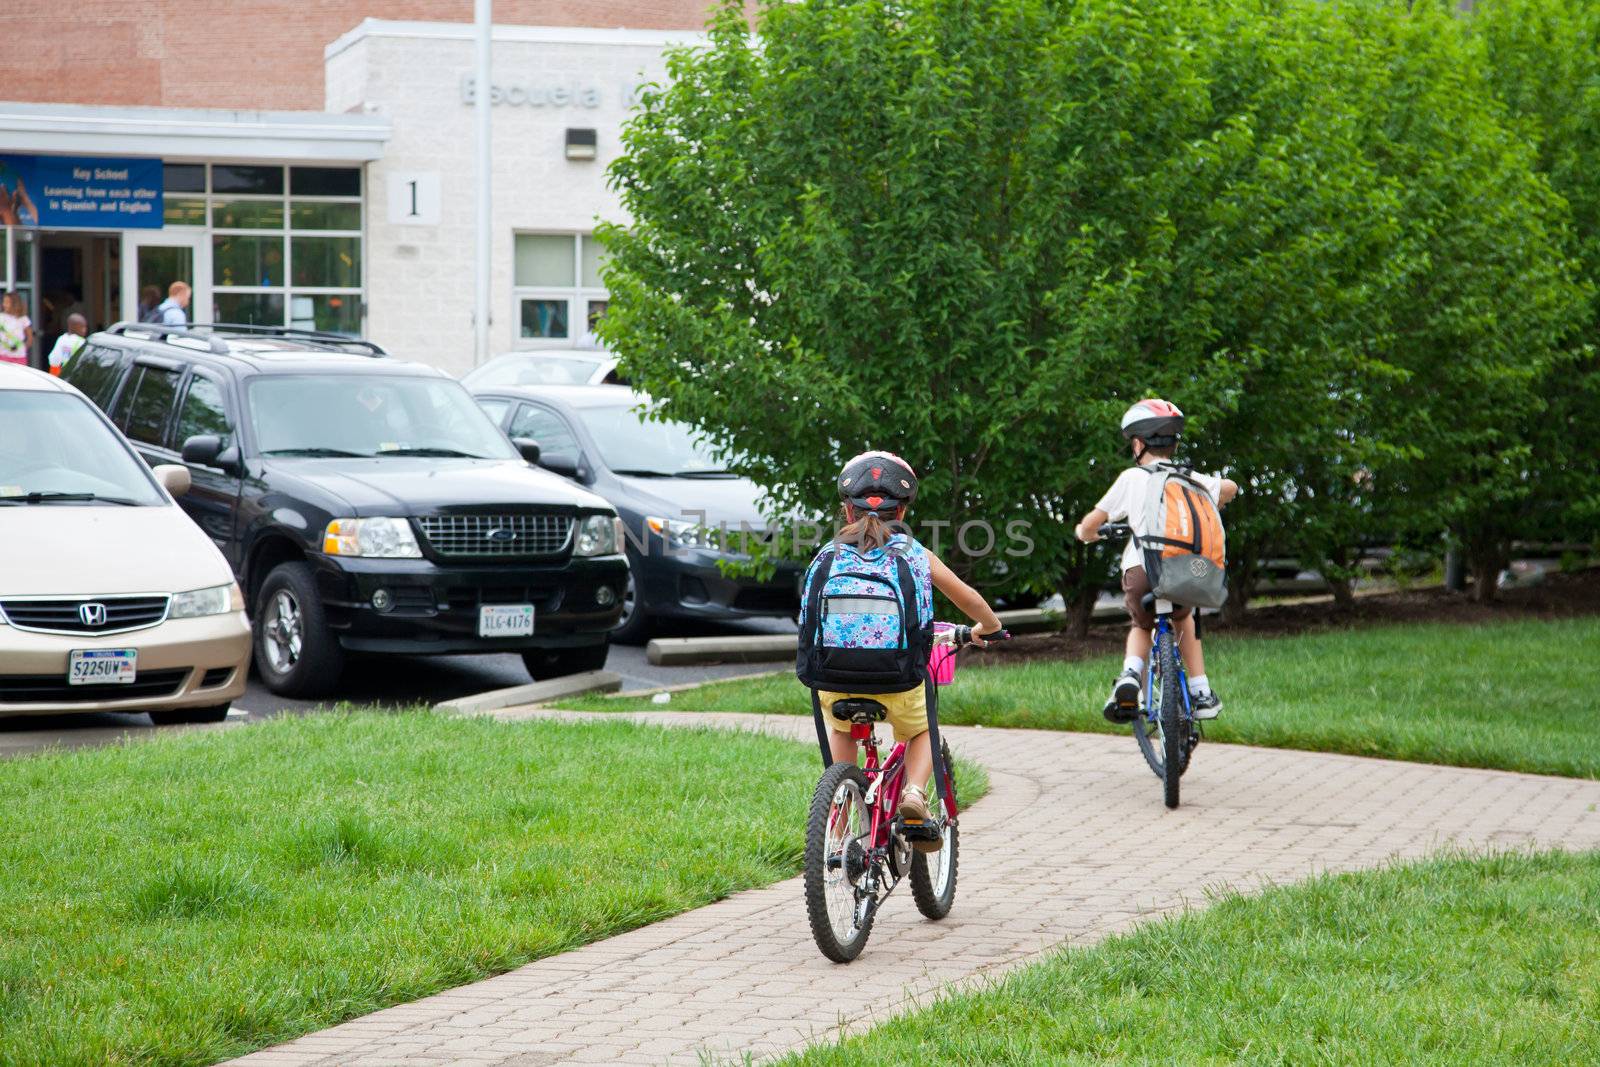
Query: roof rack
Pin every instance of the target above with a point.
(156, 331)
(317, 337)
(210, 335)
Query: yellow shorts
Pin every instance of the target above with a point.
(908, 711)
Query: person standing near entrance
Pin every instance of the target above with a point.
(172, 308)
(149, 301)
(16, 330)
(67, 344)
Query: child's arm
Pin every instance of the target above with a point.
(1089, 527)
(1230, 489)
(964, 597)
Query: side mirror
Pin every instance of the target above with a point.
(564, 465)
(528, 447)
(173, 478)
(202, 449)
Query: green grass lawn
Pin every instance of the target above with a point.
(1467, 961)
(1517, 695)
(190, 898)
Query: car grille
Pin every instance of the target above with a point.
(53, 688)
(779, 600)
(116, 615)
(497, 536)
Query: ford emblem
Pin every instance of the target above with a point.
(502, 536)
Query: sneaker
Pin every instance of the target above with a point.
(1123, 707)
(1205, 705)
(914, 808)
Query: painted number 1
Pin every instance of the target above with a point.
(413, 185)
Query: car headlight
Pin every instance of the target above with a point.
(382, 538)
(215, 600)
(680, 534)
(598, 535)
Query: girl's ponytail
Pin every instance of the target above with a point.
(867, 533)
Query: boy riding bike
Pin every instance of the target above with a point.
(1152, 428)
(876, 488)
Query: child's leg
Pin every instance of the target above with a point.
(919, 761)
(1139, 642)
(843, 747)
(1194, 660)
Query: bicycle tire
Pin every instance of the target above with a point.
(933, 901)
(1147, 733)
(1174, 729)
(836, 948)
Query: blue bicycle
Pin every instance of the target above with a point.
(1166, 728)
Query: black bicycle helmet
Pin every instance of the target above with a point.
(1158, 423)
(878, 482)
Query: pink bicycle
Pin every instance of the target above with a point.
(857, 847)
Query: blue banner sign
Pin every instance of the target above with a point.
(86, 192)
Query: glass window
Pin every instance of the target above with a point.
(236, 179)
(239, 260)
(327, 261)
(249, 309)
(183, 177)
(203, 412)
(495, 409)
(151, 403)
(325, 181)
(247, 214)
(544, 318)
(84, 455)
(95, 372)
(327, 312)
(316, 215)
(543, 259)
(370, 415)
(597, 310)
(539, 424)
(629, 441)
(533, 368)
(183, 211)
(594, 256)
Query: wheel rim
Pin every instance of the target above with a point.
(845, 813)
(939, 865)
(283, 632)
(630, 602)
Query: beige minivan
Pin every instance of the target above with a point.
(111, 598)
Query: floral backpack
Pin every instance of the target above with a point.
(866, 619)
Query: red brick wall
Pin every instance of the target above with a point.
(265, 54)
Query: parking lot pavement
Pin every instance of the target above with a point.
(383, 682)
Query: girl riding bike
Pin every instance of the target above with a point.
(876, 488)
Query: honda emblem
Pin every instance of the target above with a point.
(92, 614)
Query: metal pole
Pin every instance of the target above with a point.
(483, 21)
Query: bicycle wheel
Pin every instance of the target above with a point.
(836, 863)
(933, 874)
(1173, 728)
(1147, 731)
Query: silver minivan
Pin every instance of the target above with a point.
(111, 598)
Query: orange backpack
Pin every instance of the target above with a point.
(1179, 533)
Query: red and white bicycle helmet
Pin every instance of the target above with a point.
(880, 482)
(1158, 423)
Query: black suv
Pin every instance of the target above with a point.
(366, 504)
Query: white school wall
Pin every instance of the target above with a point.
(419, 278)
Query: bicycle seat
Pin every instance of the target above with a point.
(859, 710)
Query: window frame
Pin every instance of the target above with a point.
(198, 373)
(576, 296)
(144, 364)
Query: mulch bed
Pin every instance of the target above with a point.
(1559, 596)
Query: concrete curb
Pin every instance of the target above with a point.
(536, 693)
(758, 648)
(684, 687)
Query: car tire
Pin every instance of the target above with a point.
(637, 624)
(296, 653)
(546, 663)
(175, 716)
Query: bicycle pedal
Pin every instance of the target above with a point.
(919, 830)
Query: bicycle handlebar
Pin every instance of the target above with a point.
(1111, 530)
(964, 636)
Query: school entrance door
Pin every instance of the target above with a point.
(152, 261)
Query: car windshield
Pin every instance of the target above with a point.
(632, 444)
(365, 415)
(533, 369)
(54, 449)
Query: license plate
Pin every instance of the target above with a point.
(505, 620)
(102, 666)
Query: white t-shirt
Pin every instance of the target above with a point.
(1127, 494)
(66, 347)
(14, 338)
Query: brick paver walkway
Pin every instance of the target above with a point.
(1071, 844)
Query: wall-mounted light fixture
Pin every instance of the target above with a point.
(580, 144)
